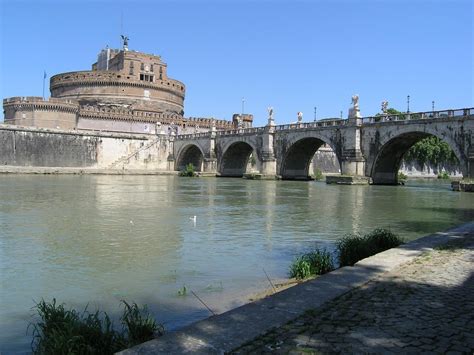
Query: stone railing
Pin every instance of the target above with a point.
(240, 131)
(337, 122)
(464, 112)
(327, 122)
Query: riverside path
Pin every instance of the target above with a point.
(424, 306)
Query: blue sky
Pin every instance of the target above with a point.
(292, 55)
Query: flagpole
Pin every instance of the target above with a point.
(44, 79)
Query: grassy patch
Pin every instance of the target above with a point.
(353, 248)
(67, 331)
(316, 262)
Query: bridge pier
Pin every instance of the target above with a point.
(268, 159)
(209, 165)
(352, 159)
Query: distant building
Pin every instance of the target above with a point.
(126, 91)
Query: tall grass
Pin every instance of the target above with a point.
(316, 262)
(353, 248)
(67, 331)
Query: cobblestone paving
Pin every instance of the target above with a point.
(425, 306)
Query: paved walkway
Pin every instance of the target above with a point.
(426, 305)
(418, 297)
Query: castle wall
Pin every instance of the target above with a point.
(108, 87)
(33, 147)
(34, 111)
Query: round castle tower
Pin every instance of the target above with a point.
(125, 79)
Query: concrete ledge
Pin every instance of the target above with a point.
(347, 180)
(227, 331)
(258, 176)
(466, 186)
(7, 169)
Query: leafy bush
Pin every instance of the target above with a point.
(444, 175)
(318, 175)
(67, 331)
(353, 248)
(317, 262)
(402, 176)
(189, 170)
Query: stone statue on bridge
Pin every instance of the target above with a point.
(354, 111)
(271, 122)
(300, 117)
(384, 107)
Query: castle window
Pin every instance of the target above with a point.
(146, 77)
(151, 67)
(142, 66)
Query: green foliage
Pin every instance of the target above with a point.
(318, 175)
(253, 160)
(189, 171)
(67, 331)
(431, 150)
(443, 175)
(182, 291)
(139, 325)
(353, 248)
(402, 176)
(316, 262)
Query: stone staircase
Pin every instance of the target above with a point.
(126, 158)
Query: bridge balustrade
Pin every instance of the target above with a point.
(464, 112)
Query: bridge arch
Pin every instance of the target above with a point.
(386, 163)
(299, 154)
(190, 154)
(235, 157)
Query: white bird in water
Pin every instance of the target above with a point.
(193, 218)
(131, 222)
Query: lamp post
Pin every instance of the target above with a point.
(242, 116)
(315, 108)
(408, 104)
(432, 105)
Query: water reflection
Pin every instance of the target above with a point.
(99, 239)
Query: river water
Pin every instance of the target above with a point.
(99, 239)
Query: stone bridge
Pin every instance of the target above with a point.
(370, 147)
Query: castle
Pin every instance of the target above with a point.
(126, 91)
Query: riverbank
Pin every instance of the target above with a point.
(229, 331)
(8, 169)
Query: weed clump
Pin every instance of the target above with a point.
(353, 248)
(316, 262)
(189, 171)
(67, 331)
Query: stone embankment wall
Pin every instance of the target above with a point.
(33, 147)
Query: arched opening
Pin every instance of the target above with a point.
(190, 155)
(235, 160)
(300, 157)
(385, 170)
